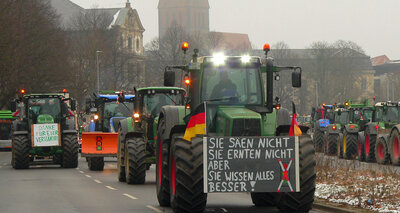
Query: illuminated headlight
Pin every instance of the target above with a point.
(218, 59)
(136, 115)
(96, 117)
(245, 59)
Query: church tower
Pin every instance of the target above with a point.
(192, 15)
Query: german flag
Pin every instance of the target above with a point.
(294, 127)
(197, 123)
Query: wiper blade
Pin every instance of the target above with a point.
(170, 98)
(224, 99)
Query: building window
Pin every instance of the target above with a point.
(130, 43)
(364, 84)
(137, 45)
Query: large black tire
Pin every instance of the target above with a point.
(302, 201)
(264, 198)
(121, 159)
(135, 158)
(96, 163)
(20, 152)
(394, 148)
(70, 151)
(332, 144)
(369, 146)
(350, 145)
(162, 168)
(57, 159)
(318, 139)
(186, 175)
(381, 151)
(361, 146)
(339, 146)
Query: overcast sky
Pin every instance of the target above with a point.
(373, 24)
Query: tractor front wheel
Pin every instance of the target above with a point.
(162, 172)
(349, 145)
(70, 151)
(381, 151)
(135, 158)
(319, 140)
(302, 201)
(186, 175)
(96, 163)
(20, 152)
(370, 141)
(332, 144)
(361, 147)
(121, 160)
(394, 148)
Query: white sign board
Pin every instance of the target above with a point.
(46, 135)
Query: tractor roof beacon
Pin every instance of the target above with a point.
(45, 128)
(225, 98)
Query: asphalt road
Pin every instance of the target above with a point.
(49, 188)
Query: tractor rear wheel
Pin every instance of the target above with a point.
(370, 141)
(302, 201)
(381, 151)
(394, 148)
(162, 172)
(70, 151)
(135, 158)
(318, 139)
(96, 163)
(339, 146)
(20, 152)
(186, 175)
(361, 147)
(349, 145)
(121, 161)
(332, 144)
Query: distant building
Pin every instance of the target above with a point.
(192, 15)
(232, 41)
(126, 22)
(387, 78)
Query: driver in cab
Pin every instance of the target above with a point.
(225, 87)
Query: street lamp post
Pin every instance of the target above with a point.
(98, 67)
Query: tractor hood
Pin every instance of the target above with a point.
(237, 121)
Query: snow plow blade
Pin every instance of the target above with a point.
(97, 144)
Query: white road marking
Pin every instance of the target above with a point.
(77, 168)
(130, 196)
(88, 176)
(97, 181)
(81, 172)
(109, 187)
(154, 208)
(223, 209)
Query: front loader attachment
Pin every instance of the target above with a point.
(99, 144)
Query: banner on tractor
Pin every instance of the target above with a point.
(46, 135)
(251, 164)
(99, 143)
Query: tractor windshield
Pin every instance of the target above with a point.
(5, 129)
(367, 114)
(44, 107)
(392, 114)
(342, 118)
(154, 102)
(330, 115)
(228, 85)
(112, 109)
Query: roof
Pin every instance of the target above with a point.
(378, 60)
(160, 88)
(66, 9)
(390, 67)
(115, 97)
(183, 3)
(233, 41)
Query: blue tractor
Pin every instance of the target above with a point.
(322, 117)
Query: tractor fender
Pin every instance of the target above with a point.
(173, 121)
(18, 125)
(127, 129)
(396, 127)
(20, 133)
(69, 131)
(371, 128)
(330, 130)
(69, 124)
(385, 137)
(353, 129)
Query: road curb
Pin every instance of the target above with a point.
(330, 208)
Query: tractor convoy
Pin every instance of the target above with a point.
(215, 126)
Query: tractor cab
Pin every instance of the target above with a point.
(386, 114)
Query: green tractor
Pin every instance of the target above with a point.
(6, 118)
(381, 133)
(227, 102)
(137, 134)
(45, 128)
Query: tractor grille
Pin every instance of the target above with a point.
(246, 127)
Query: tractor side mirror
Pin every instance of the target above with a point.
(73, 105)
(13, 106)
(169, 78)
(296, 77)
